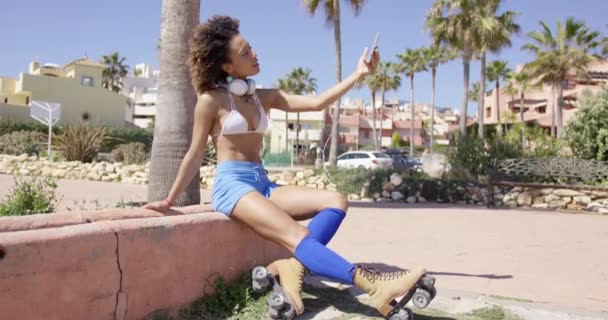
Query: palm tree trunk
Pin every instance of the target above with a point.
(374, 136)
(176, 101)
(333, 151)
(297, 135)
(521, 120)
(433, 74)
(553, 111)
(413, 115)
(466, 59)
(559, 107)
(500, 128)
(286, 131)
(482, 94)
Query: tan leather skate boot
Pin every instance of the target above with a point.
(291, 273)
(384, 287)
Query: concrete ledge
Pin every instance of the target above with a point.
(60, 219)
(122, 269)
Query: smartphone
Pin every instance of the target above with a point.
(374, 45)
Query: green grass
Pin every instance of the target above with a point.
(510, 298)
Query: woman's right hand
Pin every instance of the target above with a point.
(160, 206)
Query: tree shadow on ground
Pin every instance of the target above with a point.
(390, 268)
(319, 297)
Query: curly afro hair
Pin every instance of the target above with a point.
(209, 49)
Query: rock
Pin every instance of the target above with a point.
(411, 199)
(24, 172)
(567, 193)
(287, 175)
(308, 173)
(376, 195)
(386, 194)
(353, 196)
(524, 199)
(321, 185)
(301, 183)
(365, 190)
(499, 196)
(396, 179)
(367, 199)
(540, 206)
(517, 189)
(300, 175)
(396, 195)
(383, 200)
(551, 197)
(594, 206)
(567, 199)
(546, 191)
(538, 200)
(574, 207)
(313, 180)
(332, 186)
(421, 200)
(511, 204)
(388, 187)
(555, 204)
(603, 211)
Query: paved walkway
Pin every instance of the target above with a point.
(556, 259)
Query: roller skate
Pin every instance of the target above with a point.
(384, 288)
(284, 277)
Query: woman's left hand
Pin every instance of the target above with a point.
(365, 67)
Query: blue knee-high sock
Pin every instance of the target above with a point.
(323, 261)
(325, 224)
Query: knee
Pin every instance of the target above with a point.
(338, 200)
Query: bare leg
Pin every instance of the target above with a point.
(303, 203)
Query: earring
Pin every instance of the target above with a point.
(229, 79)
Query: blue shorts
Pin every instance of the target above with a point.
(233, 179)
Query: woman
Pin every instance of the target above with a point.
(235, 115)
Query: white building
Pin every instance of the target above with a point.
(143, 91)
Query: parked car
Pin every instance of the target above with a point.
(365, 159)
(402, 162)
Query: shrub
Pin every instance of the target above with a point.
(81, 143)
(118, 136)
(30, 196)
(130, 153)
(472, 156)
(587, 132)
(8, 126)
(19, 142)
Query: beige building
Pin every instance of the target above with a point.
(76, 86)
(538, 103)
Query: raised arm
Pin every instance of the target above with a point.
(296, 103)
(205, 113)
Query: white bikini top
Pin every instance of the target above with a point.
(235, 123)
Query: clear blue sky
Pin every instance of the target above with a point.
(281, 32)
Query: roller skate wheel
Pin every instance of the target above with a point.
(290, 312)
(421, 298)
(428, 281)
(259, 273)
(402, 314)
(273, 314)
(276, 301)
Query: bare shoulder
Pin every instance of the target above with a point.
(267, 96)
(208, 102)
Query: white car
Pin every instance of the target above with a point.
(365, 159)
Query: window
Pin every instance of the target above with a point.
(86, 81)
(488, 112)
(86, 116)
(5, 100)
(542, 110)
(381, 155)
(27, 100)
(362, 156)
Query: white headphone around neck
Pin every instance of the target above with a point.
(240, 87)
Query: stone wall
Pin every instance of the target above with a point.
(550, 198)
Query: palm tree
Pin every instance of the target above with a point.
(519, 83)
(434, 56)
(383, 80)
(303, 83)
(492, 32)
(410, 63)
(176, 101)
(474, 92)
(571, 49)
(115, 70)
(332, 19)
(468, 26)
(498, 70)
(373, 83)
(288, 85)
